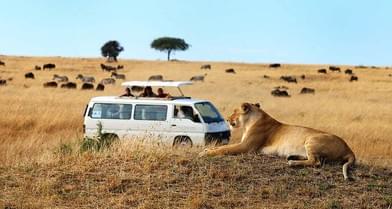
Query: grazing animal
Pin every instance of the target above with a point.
(29, 75)
(348, 71)
(303, 77)
(118, 76)
(322, 71)
(107, 81)
(206, 67)
(198, 78)
(60, 78)
(49, 66)
(100, 87)
(301, 146)
(274, 65)
(2, 63)
(68, 85)
(86, 79)
(107, 68)
(50, 84)
(353, 78)
(3, 82)
(390, 75)
(279, 93)
(266, 76)
(137, 88)
(37, 67)
(289, 79)
(156, 78)
(306, 90)
(230, 70)
(334, 69)
(119, 67)
(87, 86)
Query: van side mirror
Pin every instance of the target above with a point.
(196, 118)
(90, 110)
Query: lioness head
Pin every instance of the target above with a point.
(243, 114)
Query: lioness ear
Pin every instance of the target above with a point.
(257, 105)
(245, 107)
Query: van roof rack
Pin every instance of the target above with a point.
(177, 84)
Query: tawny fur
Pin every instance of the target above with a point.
(263, 133)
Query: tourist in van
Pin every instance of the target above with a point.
(148, 92)
(127, 93)
(162, 94)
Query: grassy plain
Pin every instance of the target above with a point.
(35, 122)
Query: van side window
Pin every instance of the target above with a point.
(185, 112)
(150, 112)
(111, 111)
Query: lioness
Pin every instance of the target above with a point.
(301, 145)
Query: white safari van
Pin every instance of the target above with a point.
(176, 120)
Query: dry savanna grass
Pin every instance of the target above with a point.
(38, 124)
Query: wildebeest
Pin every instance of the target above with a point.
(274, 65)
(303, 77)
(3, 82)
(306, 90)
(87, 86)
(206, 67)
(68, 85)
(100, 87)
(279, 93)
(334, 68)
(266, 76)
(60, 78)
(118, 76)
(322, 71)
(120, 67)
(155, 78)
(348, 71)
(290, 79)
(49, 66)
(137, 88)
(230, 70)
(107, 68)
(2, 63)
(107, 81)
(29, 75)
(50, 84)
(37, 67)
(86, 79)
(390, 75)
(353, 78)
(197, 78)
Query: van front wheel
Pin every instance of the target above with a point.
(182, 141)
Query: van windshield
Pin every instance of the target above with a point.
(208, 112)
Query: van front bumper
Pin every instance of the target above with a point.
(219, 137)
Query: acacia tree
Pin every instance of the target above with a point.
(111, 50)
(169, 44)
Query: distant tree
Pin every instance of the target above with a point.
(169, 44)
(111, 50)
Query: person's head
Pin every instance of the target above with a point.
(148, 90)
(127, 90)
(187, 110)
(160, 91)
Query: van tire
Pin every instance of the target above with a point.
(182, 141)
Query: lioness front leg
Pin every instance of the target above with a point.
(230, 149)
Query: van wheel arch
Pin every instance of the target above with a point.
(182, 141)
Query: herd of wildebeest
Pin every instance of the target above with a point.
(63, 81)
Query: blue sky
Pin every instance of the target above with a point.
(261, 31)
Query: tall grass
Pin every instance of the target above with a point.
(34, 120)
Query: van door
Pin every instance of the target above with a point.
(150, 122)
(114, 118)
(185, 122)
